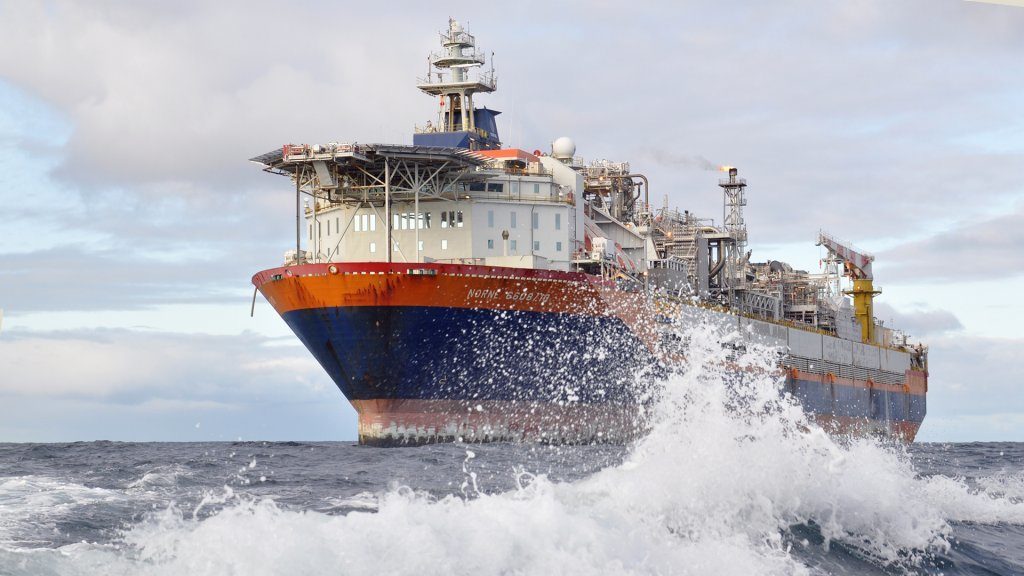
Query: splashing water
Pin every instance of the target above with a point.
(731, 479)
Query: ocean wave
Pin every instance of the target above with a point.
(731, 479)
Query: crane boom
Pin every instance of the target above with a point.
(858, 264)
(858, 267)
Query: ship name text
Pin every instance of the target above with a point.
(524, 296)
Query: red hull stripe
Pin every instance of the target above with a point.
(915, 381)
(450, 287)
(416, 268)
(315, 286)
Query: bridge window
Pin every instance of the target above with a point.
(413, 220)
(558, 221)
(536, 221)
(490, 218)
(495, 187)
(451, 219)
(512, 224)
(476, 187)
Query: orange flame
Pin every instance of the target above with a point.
(725, 168)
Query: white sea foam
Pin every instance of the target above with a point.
(31, 504)
(727, 469)
(1004, 485)
(162, 477)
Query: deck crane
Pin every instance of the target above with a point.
(857, 267)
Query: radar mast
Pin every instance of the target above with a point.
(454, 75)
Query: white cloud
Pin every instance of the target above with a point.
(145, 385)
(994, 427)
(145, 367)
(920, 321)
(159, 94)
(974, 389)
(980, 249)
(70, 279)
(834, 107)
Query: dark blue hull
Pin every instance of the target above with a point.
(435, 353)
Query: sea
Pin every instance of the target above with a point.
(730, 477)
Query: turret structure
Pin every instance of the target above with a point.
(450, 78)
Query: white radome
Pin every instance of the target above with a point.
(563, 148)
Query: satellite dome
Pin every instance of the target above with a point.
(563, 148)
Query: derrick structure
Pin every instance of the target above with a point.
(734, 243)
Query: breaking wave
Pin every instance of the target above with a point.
(731, 479)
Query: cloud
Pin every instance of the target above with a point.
(831, 109)
(158, 94)
(120, 249)
(992, 427)
(973, 389)
(70, 279)
(138, 385)
(918, 322)
(974, 250)
(158, 369)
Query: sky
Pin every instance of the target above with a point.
(132, 221)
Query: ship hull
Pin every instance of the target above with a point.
(439, 352)
(862, 407)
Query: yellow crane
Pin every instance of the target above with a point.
(857, 267)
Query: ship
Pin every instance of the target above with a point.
(458, 290)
